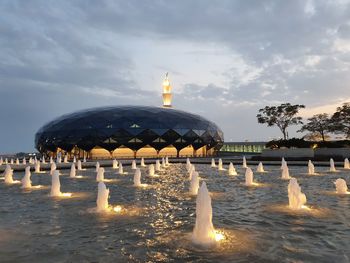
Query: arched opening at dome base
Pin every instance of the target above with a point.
(124, 152)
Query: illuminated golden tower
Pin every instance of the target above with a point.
(167, 96)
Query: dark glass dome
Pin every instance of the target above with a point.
(130, 126)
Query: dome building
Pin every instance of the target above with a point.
(131, 131)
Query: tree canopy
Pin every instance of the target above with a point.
(340, 121)
(281, 116)
(319, 123)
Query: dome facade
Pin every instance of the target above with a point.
(132, 127)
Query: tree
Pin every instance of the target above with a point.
(282, 116)
(340, 121)
(319, 123)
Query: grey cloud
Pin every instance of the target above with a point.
(60, 56)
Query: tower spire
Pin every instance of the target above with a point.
(167, 96)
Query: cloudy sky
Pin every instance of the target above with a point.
(226, 59)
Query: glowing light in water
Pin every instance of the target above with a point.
(297, 199)
(117, 209)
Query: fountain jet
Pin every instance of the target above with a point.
(311, 168)
(249, 177)
(115, 164)
(100, 174)
(137, 177)
(143, 162)
(194, 183)
(297, 199)
(55, 184)
(231, 169)
(260, 168)
(52, 168)
(26, 182)
(158, 166)
(37, 167)
(102, 197)
(285, 172)
(213, 164)
(188, 164)
(191, 171)
(121, 170)
(346, 163)
(151, 170)
(341, 186)
(79, 165)
(8, 174)
(72, 171)
(97, 166)
(332, 166)
(244, 165)
(204, 232)
(133, 165)
(167, 161)
(220, 168)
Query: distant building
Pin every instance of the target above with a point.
(243, 147)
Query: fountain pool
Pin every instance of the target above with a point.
(63, 229)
